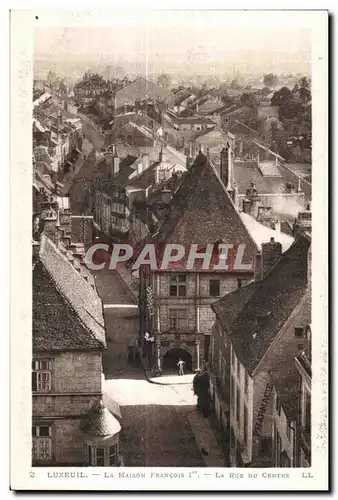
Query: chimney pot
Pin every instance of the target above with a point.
(271, 252)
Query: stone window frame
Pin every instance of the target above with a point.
(181, 314)
(178, 282)
(41, 372)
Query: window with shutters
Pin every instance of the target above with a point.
(42, 375)
(178, 285)
(42, 442)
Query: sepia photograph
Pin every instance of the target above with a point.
(172, 157)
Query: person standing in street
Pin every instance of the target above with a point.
(180, 365)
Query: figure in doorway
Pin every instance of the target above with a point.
(180, 365)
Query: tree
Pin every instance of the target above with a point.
(304, 91)
(164, 80)
(281, 97)
(270, 80)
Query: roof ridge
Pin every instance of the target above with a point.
(70, 305)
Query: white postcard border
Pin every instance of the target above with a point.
(23, 476)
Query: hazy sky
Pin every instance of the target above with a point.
(186, 47)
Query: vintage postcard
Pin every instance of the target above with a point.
(169, 326)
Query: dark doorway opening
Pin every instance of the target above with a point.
(171, 357)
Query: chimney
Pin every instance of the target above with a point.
(58, 123)
(303, 223)
(264, 215)
(109, 161)
(35, 253)
(162, 155)
(271, 252)
(235, 196)
(224, 167)
(50, 225)
(157, 175)
(278, 226)
(116, 162)
(189, 156)
(299, 185)
(230, 173)
(247, 206)
(252, 195)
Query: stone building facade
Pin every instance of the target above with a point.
(261, 329)
(175, 304)
(70, 426)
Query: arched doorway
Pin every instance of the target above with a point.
(171, 357)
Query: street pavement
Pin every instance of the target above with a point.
(161, 426)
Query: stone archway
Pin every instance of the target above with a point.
(171, 357)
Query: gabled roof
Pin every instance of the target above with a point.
(270, 306)
(67, 311)
(201, 211)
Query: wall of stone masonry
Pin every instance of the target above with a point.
(76, 383)
(228, 284)
(68, 442)
(78, 372)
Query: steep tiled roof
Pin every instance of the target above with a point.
(67, 311)
(270, 305)
(228, 307)
(201, 211)
(100, 422)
